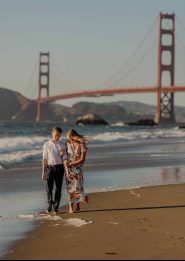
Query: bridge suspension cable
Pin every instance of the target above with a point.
(59, 81)
(65, 81)
(180, 23)
(177, 36)
(180, 41)
(103, 84)
(29, 85)
(181, 63)
(123, 77)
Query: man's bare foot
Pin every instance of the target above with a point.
(78, 207)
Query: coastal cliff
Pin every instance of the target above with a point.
(16, 107)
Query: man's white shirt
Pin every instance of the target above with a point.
(51, 152)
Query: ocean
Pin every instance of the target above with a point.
(118, 157)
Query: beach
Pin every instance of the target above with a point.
(144, 223)
(135, 179)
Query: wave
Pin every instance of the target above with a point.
(138, 135)
(28, 148)
(24, 143)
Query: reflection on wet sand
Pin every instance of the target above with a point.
(172, 175)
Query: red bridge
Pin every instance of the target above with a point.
(165, 94)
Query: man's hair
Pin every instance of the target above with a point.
(57, 129)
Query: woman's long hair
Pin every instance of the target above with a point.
(73, 134)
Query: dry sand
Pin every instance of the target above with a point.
(145, 223)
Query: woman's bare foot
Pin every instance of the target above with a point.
(86, 199)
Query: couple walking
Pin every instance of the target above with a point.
(64, 159)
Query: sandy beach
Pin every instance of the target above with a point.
(136, 206)
(143, 223)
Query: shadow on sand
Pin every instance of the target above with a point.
(127, 209)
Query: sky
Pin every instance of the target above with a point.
(92, 44)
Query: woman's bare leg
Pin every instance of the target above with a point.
(70, 207)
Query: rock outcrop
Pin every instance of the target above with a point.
(91, 119)
(142, 122)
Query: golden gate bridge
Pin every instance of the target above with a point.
(165, 94)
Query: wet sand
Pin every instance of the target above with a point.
(145, 223)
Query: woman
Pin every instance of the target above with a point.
(75, 157)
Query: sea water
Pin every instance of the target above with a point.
(118, 157)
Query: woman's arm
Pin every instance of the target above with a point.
(62, 152)
(66, 167)
(81, 160)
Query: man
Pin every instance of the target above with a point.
(52, 162)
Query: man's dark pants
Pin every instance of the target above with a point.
(55, 177)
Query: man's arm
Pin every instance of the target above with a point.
(44, 165)
(44, 159)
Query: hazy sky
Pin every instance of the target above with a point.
(92, 43)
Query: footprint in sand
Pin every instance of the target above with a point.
(113, 223)
(110, 253)
(134, 193)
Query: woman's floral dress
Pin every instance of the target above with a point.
(74, 177)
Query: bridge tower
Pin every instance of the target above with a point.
(43, 81)
(166, 49)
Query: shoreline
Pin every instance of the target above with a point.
(141, 223)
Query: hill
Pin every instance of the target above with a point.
(16, 107)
